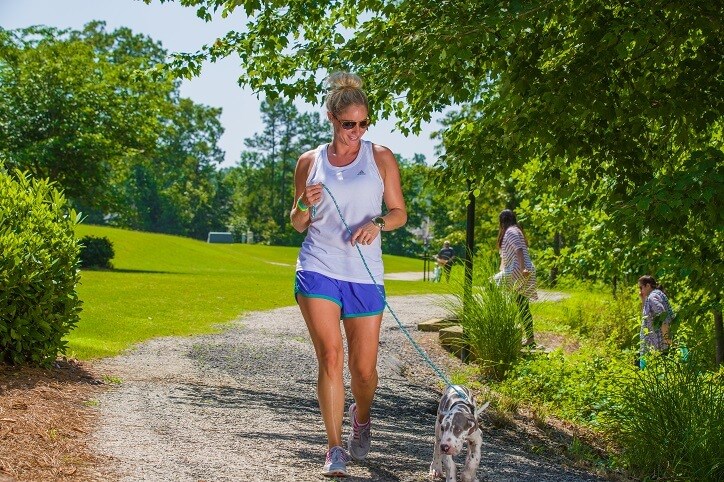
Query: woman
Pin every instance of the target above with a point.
(656, 319)
(332, 281)
(516, 268)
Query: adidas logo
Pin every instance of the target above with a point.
(361, 173)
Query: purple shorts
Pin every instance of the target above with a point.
(355, 299)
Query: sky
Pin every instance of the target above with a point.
(180, 30)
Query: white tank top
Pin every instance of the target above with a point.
(358, 189)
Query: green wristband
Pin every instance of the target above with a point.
(300, 205)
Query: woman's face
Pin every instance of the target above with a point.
(355, 114)
(645, 290)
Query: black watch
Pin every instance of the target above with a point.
(379, 221)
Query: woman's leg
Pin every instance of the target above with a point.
(322, 318)
(527, 316)
(363, 336)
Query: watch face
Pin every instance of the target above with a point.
(380, 222)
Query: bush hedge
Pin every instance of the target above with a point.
(96, 252)
(38, 270)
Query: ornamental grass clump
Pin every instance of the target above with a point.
(668, 420)
(38, 270)
(491, 324)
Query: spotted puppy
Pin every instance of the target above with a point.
(457, 422)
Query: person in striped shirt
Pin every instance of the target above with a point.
(516, 268)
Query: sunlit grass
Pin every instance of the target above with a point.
(566, 317)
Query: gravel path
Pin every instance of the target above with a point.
(241, 406)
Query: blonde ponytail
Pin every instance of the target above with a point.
(343, 90)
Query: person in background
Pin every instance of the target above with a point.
(332, 282)
(516, 268)
(657, 315)
(445, 258)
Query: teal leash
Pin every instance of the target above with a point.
(384, 300)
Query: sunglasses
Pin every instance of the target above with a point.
(347, 124)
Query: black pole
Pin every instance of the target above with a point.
(424, 266)
(425, 260)
(469, 244)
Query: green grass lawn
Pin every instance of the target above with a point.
(169, 285)
(563, 316)
(590, 316)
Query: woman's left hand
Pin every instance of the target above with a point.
(366, 234)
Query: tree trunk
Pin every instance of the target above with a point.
(719, 336)
(469, 245)
(614, 286)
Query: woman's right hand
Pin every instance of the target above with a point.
(312, 194)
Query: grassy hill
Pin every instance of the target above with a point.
(165, 285)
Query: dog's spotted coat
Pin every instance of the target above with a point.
(457, 423)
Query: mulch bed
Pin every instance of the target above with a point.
(46, 418)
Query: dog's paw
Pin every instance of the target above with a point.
(468, 477)
(436, 473)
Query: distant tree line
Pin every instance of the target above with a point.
(125, 150)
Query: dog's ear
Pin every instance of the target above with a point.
(473, 426)
(479, 411)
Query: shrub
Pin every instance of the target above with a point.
(96, 252)
(38, 272)
(574, 387)
(669, 420)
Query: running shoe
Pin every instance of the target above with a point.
(360, 437)
(335, 464)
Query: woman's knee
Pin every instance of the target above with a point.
(331, 359)
(364, 376)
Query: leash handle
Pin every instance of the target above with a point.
(394, 315)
